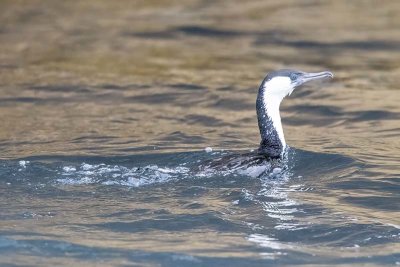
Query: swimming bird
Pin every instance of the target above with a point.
(273, 89)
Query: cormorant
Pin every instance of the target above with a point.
(275, 86)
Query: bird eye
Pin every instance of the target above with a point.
(293, 76)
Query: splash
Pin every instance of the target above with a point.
(119, 175)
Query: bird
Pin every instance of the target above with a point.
(273, 89)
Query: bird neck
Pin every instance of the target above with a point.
(269, 122)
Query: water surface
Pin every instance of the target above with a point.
(107, 109)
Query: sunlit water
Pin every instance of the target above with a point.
(107, 110)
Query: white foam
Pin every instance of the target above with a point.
(86, 167)
(105, 174)
(118, 175)
(79, 181)
(67, 169)
(23, 163)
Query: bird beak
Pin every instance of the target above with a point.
(306, 77)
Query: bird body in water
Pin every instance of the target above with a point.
(273, 89)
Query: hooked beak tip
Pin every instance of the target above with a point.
(316, 76)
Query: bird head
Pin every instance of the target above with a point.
(278, 84)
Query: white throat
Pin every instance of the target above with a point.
(274, 92)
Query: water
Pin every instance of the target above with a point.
(107, 110)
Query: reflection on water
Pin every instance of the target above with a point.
(106, 109)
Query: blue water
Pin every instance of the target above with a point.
(111, 114)
(158, 208)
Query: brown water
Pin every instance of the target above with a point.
(150, 84)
